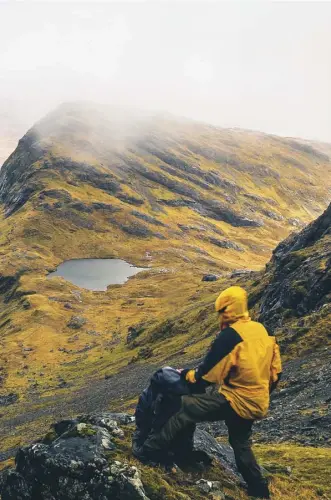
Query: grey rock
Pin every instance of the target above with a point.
(106, 207)
(131, 200)
(277, 469)
(213, 487)
(204, 442)
(60, 194)
(72, 463)
(225, 244)
(76, 322)
(148, 218)
(81, 207)
(8, 399)
(209, 277)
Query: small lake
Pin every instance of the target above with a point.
(96, 274)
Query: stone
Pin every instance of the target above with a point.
(72, 463)
(81, 207)
(209, 277)
(204, 485)
(76, 322)
(211, 488)
(106, 207)
(274, 468)
(133, 333)
(8, 399)
(225, 244)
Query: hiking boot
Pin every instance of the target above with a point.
(259, 497)
(170, 468)
(139, 454)
(194, 459)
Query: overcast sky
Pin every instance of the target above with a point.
(264, 66)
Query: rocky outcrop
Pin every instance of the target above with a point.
(9, 399)
(18, 181)
(299, 274)
(72, 462)
(224, 243)
(76, 322)
(136, 229)
(83, 458)
(147, 218)
(106, 207)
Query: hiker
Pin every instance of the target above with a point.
(245, 361)
(157, 403)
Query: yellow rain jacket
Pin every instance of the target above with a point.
(244, 359)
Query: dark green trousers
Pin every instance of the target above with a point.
(210, 408)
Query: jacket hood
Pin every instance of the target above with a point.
(233, 301)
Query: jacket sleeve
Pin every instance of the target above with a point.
(222, 346)
(275, 368)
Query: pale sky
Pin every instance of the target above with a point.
(263, 66)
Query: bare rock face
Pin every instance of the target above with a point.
(81, 459)
(71, 462)
(300, 273)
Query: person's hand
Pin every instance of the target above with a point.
(190, 377)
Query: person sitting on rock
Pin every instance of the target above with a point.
(157, 403)
(245, 361)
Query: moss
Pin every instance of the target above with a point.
(50, 436)
(87, 431)
(310, 466)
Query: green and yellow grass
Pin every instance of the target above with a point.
(168, 299)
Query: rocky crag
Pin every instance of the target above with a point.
(88, 458)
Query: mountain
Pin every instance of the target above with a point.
(182, 199)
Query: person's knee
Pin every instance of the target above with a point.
(186, 401)
(187, 409)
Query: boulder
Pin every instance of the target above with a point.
(73, 461)
(9, 399)
(204, 442)
(209, 277)
(213, 487)
(134, 332)
(76, 322)
(84, 459)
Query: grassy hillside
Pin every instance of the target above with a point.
(180, 198)
(86, 182)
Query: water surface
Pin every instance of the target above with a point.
(96, 274)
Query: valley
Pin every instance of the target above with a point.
(182, 200)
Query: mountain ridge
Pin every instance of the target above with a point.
(183, 201)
